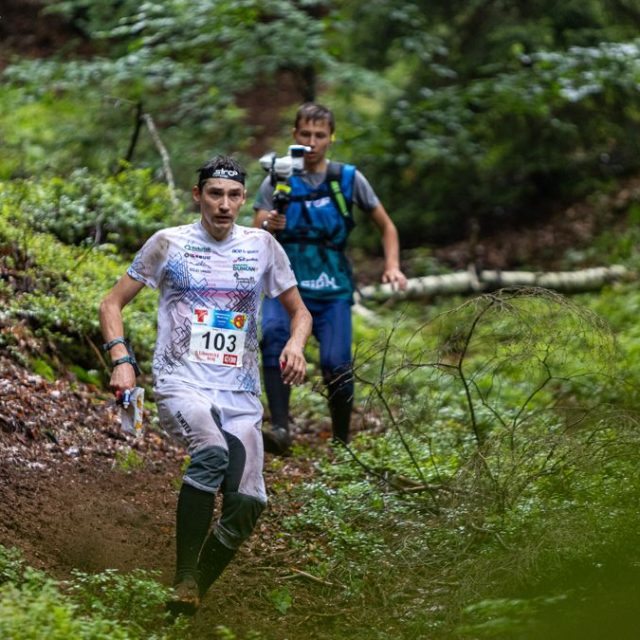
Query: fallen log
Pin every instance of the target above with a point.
(470, 281)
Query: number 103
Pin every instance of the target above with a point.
(220, 341)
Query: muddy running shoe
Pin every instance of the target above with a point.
(185, 599)
(277, 441)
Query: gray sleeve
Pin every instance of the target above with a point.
(264, 198)
(364, 196)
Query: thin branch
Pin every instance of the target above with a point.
(134, 136)
(303, 574)
(162, 150)
(465, 384)
(97, 352)
(386, 481)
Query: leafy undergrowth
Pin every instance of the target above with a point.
(490, 492)
(109, 605)
(500, 495)
(502, 492)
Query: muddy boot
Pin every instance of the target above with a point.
(185, 599)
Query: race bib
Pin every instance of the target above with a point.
(217, 336)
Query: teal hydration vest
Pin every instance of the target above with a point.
(319, 221)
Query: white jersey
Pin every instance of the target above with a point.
(210, 293)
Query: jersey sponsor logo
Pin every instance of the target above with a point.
(246, 281)
(243, 267)
(322, 282)
(197, 247)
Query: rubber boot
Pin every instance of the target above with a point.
(193, 518)
(340, 410)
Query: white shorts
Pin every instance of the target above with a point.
(213, 419)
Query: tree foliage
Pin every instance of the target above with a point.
(493, 109)
(185, 63)
(500, 110)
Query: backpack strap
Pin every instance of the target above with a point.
(335, 172)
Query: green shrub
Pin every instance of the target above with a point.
(33, 615)
(58, 288)
(103, 606)
(118, 212)
(498, 460)
(134, 599)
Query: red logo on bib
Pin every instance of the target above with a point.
(227, 358)
(201, 314)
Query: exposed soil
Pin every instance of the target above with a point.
(69, 498)
(65, 500)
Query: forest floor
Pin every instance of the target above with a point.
(78, 494)
(75, 493)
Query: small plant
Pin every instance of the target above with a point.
(128, 460)
(281, 599)
(12, 566)
(42, 368)
(177, 482)
(136, 599)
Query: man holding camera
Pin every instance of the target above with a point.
(211, 275)
(313, 231)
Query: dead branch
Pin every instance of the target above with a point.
(303, 574)
(469, 281)
(164, 154)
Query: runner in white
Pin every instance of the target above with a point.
(211, 275)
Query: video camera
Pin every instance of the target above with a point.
(282, 168)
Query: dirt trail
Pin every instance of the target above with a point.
(68, 500)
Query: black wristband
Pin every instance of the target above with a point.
(107, 346)
(127, 360)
